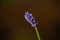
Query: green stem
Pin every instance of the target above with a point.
(37, 33)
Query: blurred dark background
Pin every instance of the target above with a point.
(13, 26)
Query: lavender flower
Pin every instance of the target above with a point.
(29, 18)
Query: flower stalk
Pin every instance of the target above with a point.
(29, 18)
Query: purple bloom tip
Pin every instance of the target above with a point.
(29, 18)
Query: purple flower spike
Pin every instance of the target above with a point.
(29, 18)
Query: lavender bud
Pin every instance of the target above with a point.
(29, 18)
